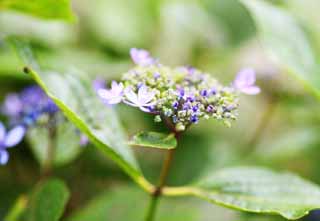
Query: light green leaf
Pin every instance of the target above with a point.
(256, 190)
(286, 43)
(48, 201)
(74, 94)
(47, 9)
(154, 140)
(66, 144)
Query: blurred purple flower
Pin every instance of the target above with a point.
(113, 95)
(245, 82)
(12, 105)
(26, 107)
(143, 99)
(9, 139)
(141, 57)
(84, 140)
(98, 84)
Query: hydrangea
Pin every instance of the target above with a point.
(180, 96)
(27, 107)
(9, 139)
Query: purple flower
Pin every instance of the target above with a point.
(210, 108)
(175, 105)
(245, 82)
(26, 107)
(141, 57)
(113, 95)
(84, 140)
(204, 93)
(9, 139)
(156, 75)
(12, 105)
(194, 119)
(143, 99)
(98, 84)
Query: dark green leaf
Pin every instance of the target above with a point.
(47, 9)
(256, 190)
(154, 140)
(48, 201)
(286, 42)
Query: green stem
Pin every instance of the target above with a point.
(47, 168)
(152, 208)
(151, 212)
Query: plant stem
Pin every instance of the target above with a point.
(162, 181)
(47, 168)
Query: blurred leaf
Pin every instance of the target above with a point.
(287, 144)
(128, 203)
(48, 9)
(286, 42)
(66, 143)
(154, 140)
(256, 190)
(74, 95)
(119, 24)
(17, 210)
(48, 201)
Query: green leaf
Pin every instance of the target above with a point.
(48, 201)
(286, 43)
(17, 209)
(256, 190)
(66, 144)
(154, 140)
(47, 9)
(73, 93)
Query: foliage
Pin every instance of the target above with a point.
(170, 144)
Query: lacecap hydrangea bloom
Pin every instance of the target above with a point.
(180, 96)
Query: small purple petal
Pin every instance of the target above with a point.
(113, 95)
(98, 84)
(12, 105)
(4, 157)
(83, 140)
(141, 57)
(253, 90)
(14, 136)
(245, 80)
(2, 132)
(204, 93)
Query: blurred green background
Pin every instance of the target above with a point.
(279, 128)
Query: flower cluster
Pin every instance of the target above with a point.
(27, 107)
(180, 96)
(24, 110)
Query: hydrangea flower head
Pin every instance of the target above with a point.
(9, 139)
(28, 106)
(181, 96)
